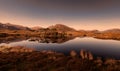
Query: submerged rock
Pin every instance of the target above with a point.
(86, 55)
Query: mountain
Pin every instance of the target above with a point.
(113, 31)
(60, 27)
(9, 26)
(36, 28)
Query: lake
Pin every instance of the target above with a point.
(98, 47)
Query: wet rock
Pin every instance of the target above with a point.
(90, 56)
(98, 61)
(73, 53)
(110, 62)
(82, 54)
(86, 55)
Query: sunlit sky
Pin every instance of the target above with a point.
(79, 14)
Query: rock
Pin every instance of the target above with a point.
(110, 62)
(73, 53)
(90, 56)
(98, 61)
(86, 55)
(82, 54)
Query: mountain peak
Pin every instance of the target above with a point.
(36, 28)
(61, 27)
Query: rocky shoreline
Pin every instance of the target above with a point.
(27, 59)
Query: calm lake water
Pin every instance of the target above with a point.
(98, 47)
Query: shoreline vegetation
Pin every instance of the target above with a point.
(27, 59)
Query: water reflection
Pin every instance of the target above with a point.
(51, 40)
(12, 39)
(98, 47)
(36, 39)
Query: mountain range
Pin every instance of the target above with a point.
(58, 27)
(112, 31)
(9, 26)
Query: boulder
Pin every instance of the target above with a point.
(73, 53)
(86, 55)
(90, 56)
(82, 54)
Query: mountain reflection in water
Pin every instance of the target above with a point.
(51, 40)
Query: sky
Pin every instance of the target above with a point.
(79, 14)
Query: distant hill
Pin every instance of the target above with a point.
(113, 31)
(60, 27)
(36, 28)
(9, 26)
